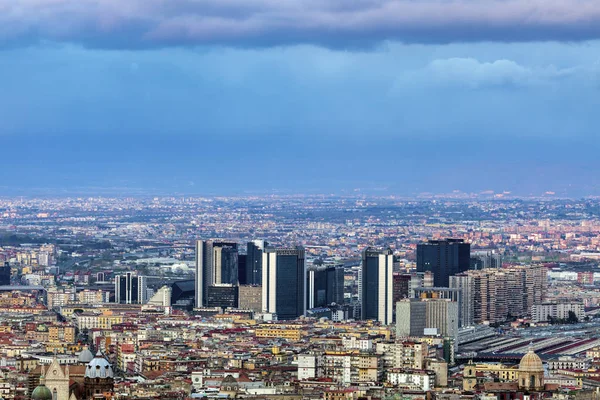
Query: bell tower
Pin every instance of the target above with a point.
(469, 377)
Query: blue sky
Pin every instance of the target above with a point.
(390, 96)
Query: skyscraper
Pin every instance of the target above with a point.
(325, 285)
(335, 284)
(443, 258)
(316, 287)
(464, 283)
(225, 264)
(5, 274)
(216, 263)
(254, 262)
(377, 285)
(201, 273)
(283, 282)
(242, 273)
(130, 289)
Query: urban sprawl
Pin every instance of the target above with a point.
(300, 297)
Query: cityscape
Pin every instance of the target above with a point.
(299, 297)
(299, 199)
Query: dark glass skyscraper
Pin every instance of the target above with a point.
(5, 274)
(444, 258)
(377, 285)
(216, 263)
(335, 284)
(225, 265)
(254, 262)
(242, 273)
(325, 286)
(283, 281)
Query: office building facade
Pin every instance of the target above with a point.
(242, 273)
(418, 317)
(486, 259)
(377, 285)
(130, 289)
(464, 284)
(5, 274)
(222, 295)
(410, 318)
(250, 298)
(437, 293)
(225, 265)
(254, 262)
(325, 286)
(216, 263)
(283, 282)
(443, 258)
(401, 286)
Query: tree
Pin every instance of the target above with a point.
(572, 318)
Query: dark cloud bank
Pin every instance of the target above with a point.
(255, 23)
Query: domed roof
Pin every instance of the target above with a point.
(531, 362)
(99, 367)
(41, 393)
(85, 356)
(229, 380)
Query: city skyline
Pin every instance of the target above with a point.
(299, 199)
(128, 280)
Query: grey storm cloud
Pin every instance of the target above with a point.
(256, 23)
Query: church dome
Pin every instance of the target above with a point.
(229, 382)
(99, 367)
(531, 362)
(41, 393)
(85, 356)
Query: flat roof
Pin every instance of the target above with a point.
(7, 288)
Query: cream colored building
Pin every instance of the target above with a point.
(98, 321)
